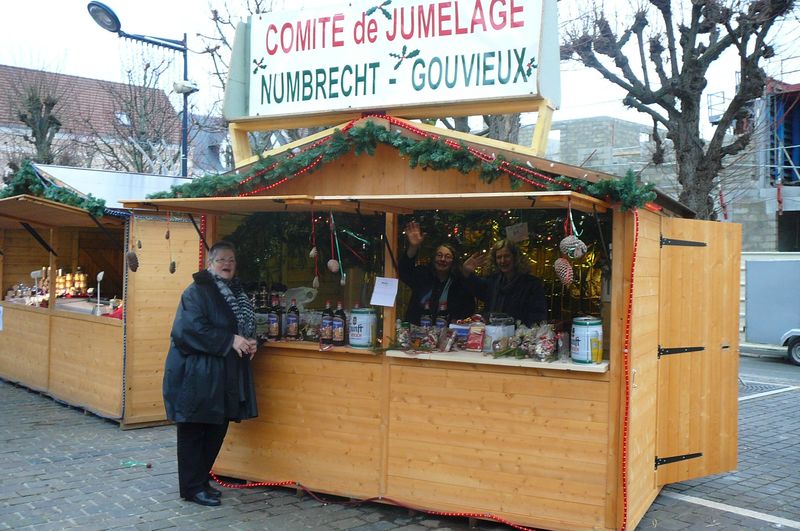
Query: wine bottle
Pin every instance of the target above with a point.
(442, 317)
(339, 330)
(425, 319)
(274, 319)
(326, 325)
(292, 321)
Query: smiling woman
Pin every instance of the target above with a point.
(208, 380)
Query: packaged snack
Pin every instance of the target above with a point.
(475, 337)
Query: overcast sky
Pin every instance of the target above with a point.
(59, 35)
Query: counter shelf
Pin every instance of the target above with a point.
(483, 358)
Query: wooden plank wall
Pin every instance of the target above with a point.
(86, 362)
(386, 173)
(152, 297)
(319, 423)
(25, 345)
(642, 488)
(529, 446)
(21, 255)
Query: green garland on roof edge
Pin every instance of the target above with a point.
(628, 191)
(26, 181)
(425, 153)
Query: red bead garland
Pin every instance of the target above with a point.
(484, 516)
(626, 351)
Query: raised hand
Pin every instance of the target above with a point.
(414, 234)
(473, 262)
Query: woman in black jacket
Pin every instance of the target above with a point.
(508, 289)
(440, 281)
(208, 380)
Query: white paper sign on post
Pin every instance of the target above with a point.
(384, 292)
(517, 233)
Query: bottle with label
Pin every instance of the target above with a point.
(426, 319)
(292, 322)
(274, 319)
(339, 330)
(326, 325)
(442, 317)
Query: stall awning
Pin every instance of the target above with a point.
(401, 204)
(43, 213)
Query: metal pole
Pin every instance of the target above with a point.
(185, 123)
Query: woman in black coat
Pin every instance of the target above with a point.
(440, 281)
(208, 380)
(508, 289)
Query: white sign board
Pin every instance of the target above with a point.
(393, 53)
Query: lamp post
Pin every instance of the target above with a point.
(108, 20)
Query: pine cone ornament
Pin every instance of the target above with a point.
(572, 247)
(166, 235)
(132, 260)
(563, 270)
(173, 267)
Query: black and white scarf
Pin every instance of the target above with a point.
(239, 303)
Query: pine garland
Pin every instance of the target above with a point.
(26, 181)
(429, 152)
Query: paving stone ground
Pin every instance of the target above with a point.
(66, 469)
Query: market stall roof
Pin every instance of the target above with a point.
(43, 213)
(108, 185)
(401, 204)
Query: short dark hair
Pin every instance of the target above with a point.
(220, 246)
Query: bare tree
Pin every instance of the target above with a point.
(143, 132)
(38, 101)
(664, 72)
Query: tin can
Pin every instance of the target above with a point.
(362, 327)
(586, 344)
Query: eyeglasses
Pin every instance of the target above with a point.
(224, 260)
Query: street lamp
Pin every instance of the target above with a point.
(108, 20)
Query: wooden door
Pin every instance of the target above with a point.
(698, 360)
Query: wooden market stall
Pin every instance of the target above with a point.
(59, 346)
(554, 445)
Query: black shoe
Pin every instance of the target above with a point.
(214, 493)
(204, 498)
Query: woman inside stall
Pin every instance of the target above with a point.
(437, 282)
(508, 289)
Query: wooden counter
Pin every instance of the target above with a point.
(519, 439)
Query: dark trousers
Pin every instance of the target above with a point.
(198, 447)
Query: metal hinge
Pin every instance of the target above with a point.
(677, 350)
(685, 243)
(675, 458)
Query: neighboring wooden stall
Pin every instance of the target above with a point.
(111, 367)
(553, 445)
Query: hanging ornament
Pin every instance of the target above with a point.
(314, 251)
(563, 270)
(337, 266)
(132, 260)
(130, 257)
(173, 267)
(333, 265)
(572, 247)
(343, 280)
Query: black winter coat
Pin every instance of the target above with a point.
(205, 380)
(423, 282)
(523, 298)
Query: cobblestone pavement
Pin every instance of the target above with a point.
(64, 469)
